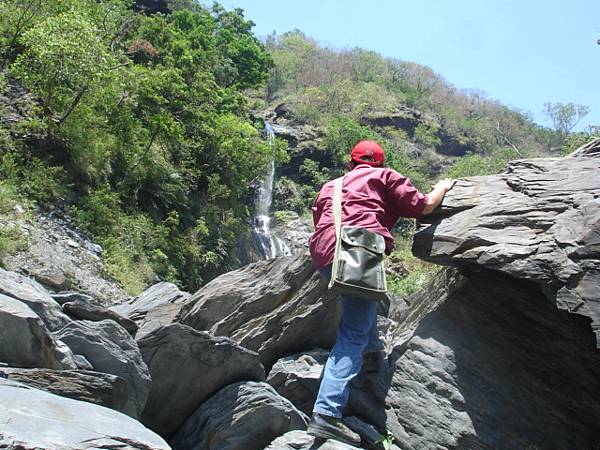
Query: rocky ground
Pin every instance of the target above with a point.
(499, 352)
(62, 258)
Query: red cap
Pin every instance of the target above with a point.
(368, 150)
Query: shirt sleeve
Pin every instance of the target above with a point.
(406, 198)
(317, 210)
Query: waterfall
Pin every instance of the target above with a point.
(270, 246)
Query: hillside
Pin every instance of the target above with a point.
(146, 127)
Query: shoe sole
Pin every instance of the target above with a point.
(319, 432)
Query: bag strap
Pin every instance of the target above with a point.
(337, 218)
(337, 205)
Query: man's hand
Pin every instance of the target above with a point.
(445, 184)
(435, 197)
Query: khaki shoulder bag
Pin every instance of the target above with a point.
(358, 269)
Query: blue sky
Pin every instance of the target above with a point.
(521, 52)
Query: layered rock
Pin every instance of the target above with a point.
(274, 307)
(297, 378)
(33, 419)
(86, 310)
(110, 349)
(241, 416)
(26, 342)
(157, 306)
(187, 367)
(86, 385)
(538, 221)
(486, 362)
(35, 296)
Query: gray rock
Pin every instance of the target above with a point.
(300, 440)
(187, 367)
(34, 419)
(241, 416)
(71, 296)
(538, 221)
(298, 378)
(276, 307)
(35, 296)
(159, 294)
(94, 387)
(26, 342)
(60, 265)
(486, 362)
(159, 316)
(110, 349)
(83, 310)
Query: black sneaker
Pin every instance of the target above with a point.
(325, 427)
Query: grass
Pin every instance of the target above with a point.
(419, 271)
(12, 208)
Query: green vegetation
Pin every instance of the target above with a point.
(152, 144)
(419, 272)
(142, 127)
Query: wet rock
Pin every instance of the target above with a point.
(276, 307)
(26, 342)
(33, 419)
(241, 416)
(88, 386)
(110, 349)
(35, 296)
(187, 367)
(82, 310)
(298, 377)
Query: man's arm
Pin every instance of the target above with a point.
(435, 197)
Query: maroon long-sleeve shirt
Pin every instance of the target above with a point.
(372, 198)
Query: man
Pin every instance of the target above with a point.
(373, 198)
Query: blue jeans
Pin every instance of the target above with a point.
(356, 334)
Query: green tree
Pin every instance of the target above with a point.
(565, 116)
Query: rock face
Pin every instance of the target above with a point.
(486, 362)
(276, 307)
(539, 221)
(241, 416)
(94, 387)
(33, 419)
(26, 342)
(83, 310)
(155, 307)
(61, 257)
(110, 349)
(298, 377)
(35, 296)
(187, 367)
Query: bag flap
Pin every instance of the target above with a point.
(363, 238)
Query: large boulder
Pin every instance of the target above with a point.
(86, 385)
(35, 296)
(85, 310)
(187, 367)
(157, 306)
(276, 307)
(111, 349)
(298, 377)
(26, 342)
(484, 360)
(241, 416)
(33, 419)
(540, 221)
